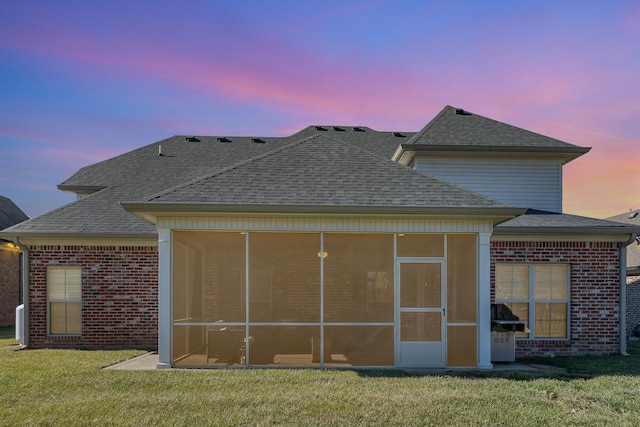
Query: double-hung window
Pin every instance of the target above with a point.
(537, 293)
(64, 300)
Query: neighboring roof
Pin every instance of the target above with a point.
(543, 222)
(323, 174)
(10, 213)
(633, 250)
(454, 130)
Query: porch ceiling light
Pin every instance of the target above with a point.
(323, 255)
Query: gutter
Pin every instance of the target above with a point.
(25, 291)
(623, 294)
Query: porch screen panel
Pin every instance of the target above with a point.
(358, 346)
(421, 245)
(284, 277)
(358, 277)
(462, 285)
(209, 276)
(462, 346)
(284, 345)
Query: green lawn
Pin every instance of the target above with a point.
(67, 387)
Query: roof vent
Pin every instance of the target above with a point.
(257, 140)
(633, 214)
(338, 129)
(319, 128)
(223, 139)
(192, 139)
(461, 112)
(160, 151)
(357, 129)
(398, 134)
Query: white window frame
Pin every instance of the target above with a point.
(531, 301)
(50, 300)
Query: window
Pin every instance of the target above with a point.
(537, 294)
(64, 300)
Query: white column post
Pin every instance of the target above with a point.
(484, 301)
(164, 298)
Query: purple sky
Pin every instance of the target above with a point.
(84, 81)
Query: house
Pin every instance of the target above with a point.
(10, 214)
(335, 246)
(632, 269)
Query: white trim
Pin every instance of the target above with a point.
(88, 241)
(484, 301)
(318, 223)
(559, 237)
(165, 299)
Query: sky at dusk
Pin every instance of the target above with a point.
(82, 81)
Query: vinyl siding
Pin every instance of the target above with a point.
(535, 184)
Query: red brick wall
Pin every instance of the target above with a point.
(119, 296)
(633, 303)
(9, 286)
(595, 284)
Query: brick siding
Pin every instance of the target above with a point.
(594, 299)
(9, 286)
(633, 302)
(119, 296)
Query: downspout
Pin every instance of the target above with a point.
(25, 289)
(623, 295)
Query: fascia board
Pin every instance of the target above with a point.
(405, 153)
(577, 235)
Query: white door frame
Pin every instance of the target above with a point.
(420, 354)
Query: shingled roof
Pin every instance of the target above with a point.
(536, 221)
(319, 169)
(143, 172)
(457, 130)
(10, 213)
(322, 174)
(633, 250)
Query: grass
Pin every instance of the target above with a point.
(68, 387)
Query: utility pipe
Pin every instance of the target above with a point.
(25, 289)
(623, 295)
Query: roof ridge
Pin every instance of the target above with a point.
(227, 169)
(431, 122)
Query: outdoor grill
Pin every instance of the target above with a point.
(504, 325)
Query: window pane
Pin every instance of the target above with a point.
(551, 320)
(64, 290)
(57, 318)
(284, 277)
(64, 283)
(551, 282)
(73, 318)
(358, 277)
(512, 282)
(420, 245)
(358, 345)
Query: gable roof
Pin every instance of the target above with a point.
(454, 130)
(322, 174)
(633, 249)
(10, 213)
